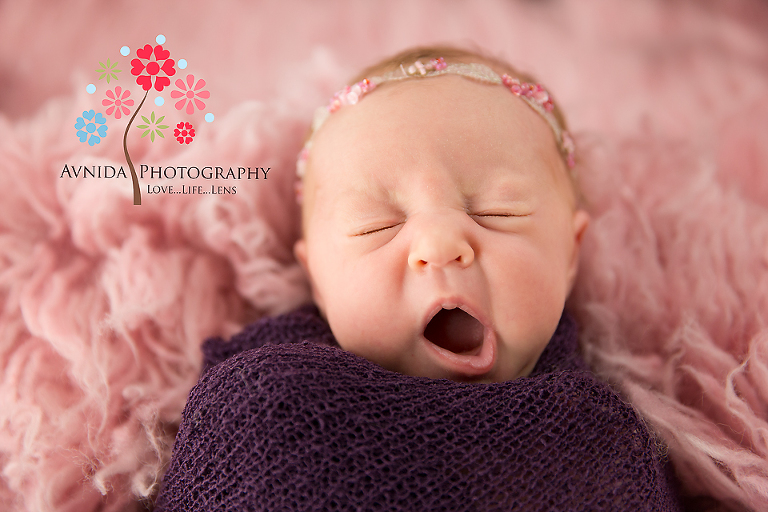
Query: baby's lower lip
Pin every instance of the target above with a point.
(472, 364)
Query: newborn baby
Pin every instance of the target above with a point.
(441, 225)
(437, 368)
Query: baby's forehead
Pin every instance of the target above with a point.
(447, 164)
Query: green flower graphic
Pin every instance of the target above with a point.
(152, 127)
(108, 70)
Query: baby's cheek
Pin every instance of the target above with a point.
(373, 341)
(525, 283)
(369, 313)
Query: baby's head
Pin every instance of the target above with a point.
(440, 217)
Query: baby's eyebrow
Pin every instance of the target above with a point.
(362, 202)
(511, 188)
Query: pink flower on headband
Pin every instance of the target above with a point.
(533, 92)
(190, 95)
(351, 94)
(422, 69)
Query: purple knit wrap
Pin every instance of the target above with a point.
(283, 419)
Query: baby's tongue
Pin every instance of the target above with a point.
(454, 330)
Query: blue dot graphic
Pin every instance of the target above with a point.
(159, 101)
(182, 63)
(209, 117)
(90, 88)
(160, 39)
(124, 51)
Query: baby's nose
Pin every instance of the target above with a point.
(439, 243)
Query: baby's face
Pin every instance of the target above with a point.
(440, 230)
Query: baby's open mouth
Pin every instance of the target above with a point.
(455, 330)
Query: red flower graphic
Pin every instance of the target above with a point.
(162, 62)
(118, 102)
(184, 133)
(189, 94)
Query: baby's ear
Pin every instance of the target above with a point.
(300, 252)
(580, 223)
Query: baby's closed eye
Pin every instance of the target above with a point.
(500, 219)
(377, 229)
(499, 214)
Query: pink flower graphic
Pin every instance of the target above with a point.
(118, 102)
(184, 133)
(161, 63)
(189, 94)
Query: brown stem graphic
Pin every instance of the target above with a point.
(134, 178)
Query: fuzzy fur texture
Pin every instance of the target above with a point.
(104, 305)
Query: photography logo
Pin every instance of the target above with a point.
(150, 73)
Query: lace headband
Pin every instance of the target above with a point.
(533, 94)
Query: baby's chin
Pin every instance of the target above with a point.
(431, 372)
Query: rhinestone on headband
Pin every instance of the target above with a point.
(533, 94)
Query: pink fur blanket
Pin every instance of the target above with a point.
(104, 305)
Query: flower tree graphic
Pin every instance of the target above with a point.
(157, 69)
(153, 68)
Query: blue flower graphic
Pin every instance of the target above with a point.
(88, 125)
